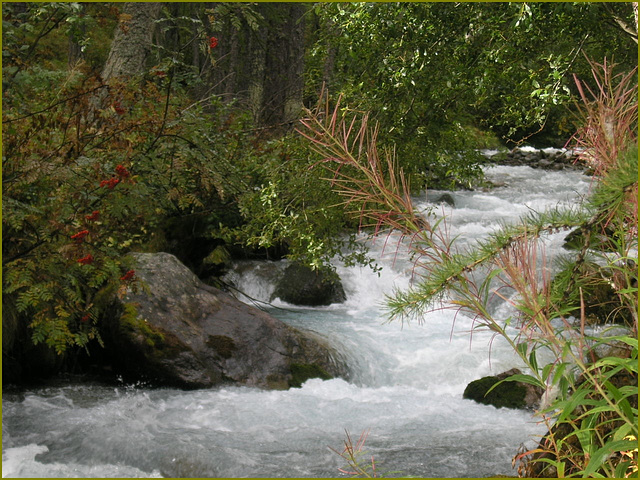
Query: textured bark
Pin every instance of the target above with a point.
(261, 66)
(283, 83)
(329, 62)
(257, 61)
(132, 40)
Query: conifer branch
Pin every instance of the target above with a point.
(454, 272)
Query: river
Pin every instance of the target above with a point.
(405, 389)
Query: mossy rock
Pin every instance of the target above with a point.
(182, 333)
(447, 199)
(602, 303)
(301, 372)
(507, 394)
(300, 285)
(131, 323)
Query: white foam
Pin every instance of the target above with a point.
(406, 386)
(21, 462)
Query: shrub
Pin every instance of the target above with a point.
(81, 163)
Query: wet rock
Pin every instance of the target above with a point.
(300, 285)
(546, 159)
(545, 163)
(446, 198)
(184, 333)
(507, 394)
(598, 298)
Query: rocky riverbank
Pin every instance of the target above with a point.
(177, 331)
(544, 158)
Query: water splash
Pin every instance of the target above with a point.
(407, 385)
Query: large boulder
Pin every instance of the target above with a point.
(178, 331)
(507, 394)
(300, 285)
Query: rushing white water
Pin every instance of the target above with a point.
(406, 386)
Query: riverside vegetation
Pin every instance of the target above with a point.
(591, 382)
(88, 139)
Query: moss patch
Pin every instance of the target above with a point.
(301, 372)
(131, 323)
(159, 343)
(223, 345)
(277, 381)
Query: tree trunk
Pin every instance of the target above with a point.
(258, 59)
(132, 40)
(330, 59)
(283, 82)
(76, 53)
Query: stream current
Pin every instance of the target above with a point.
(405, 389)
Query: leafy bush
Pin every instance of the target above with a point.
(431, 72)
(92, 171)
(290, 208)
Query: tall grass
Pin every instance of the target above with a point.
(593, 416)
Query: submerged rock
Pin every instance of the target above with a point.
(507, 394)
(187, 334)
(300, 285)
(447, 199)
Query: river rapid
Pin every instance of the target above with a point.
(405, 389)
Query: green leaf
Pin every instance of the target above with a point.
(622, 469)
(624, 430)
(601, 455)
(533, 361)
(559, 373)
(522, 349)
(615, 362)
(620, 400)
(578, 398)
(585, 433)
(520, 377)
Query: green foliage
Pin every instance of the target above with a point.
(77, 184)
(595, 429)
(290, 206)
(81, 161)
(594, 419)
(609, 109)
(431, 72)
(37, 34)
